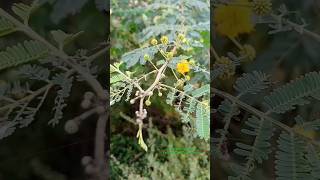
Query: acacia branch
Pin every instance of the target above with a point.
(262, 114)
(96, 86)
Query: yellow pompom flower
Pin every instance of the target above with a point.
(164, 40)
(262, 7)
(183, 67)
(153, 42)
(234, 19)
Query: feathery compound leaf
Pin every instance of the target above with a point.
(313, 125)
(201, 91)
(291, 162)
(137, 55)
(252, 83)
(203, 121)
(6, 27)
(314, 160)
(22, 53)
(35, 72)
(295, 93)
(23, 11)
(262, 131)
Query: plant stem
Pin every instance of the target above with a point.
(99, 151)
(96, 86)
(261, 114)
(297, 27)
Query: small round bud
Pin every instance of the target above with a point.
(148, 102)
(137, 93)
(85, 104)
(132, 101)
(188, 78)
(181, 37)
(169, 55)
(86, 160)
(146, 57)
(159, 94)
(262, 7)
(88, 95)
(164, 40)
(71, 127)
(153, 42)
(192, 62)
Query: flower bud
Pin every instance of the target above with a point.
(164, 40)
(148, 102)
(71, 127)
(153, 42)
(146, 57)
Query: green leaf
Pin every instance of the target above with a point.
(295, 93)
(24, 11)
(116, 78)
(6, 27)
(201, 91)
(63, 38)
(22, 53)
(252, 83)
(203, 121)
(290, 158)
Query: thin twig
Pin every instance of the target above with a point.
(261, 114)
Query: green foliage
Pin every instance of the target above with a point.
(22, 53)
(252, 83)
(170, 157)
(291, 162)
(6, 27)
(187, 32)
(295, 93)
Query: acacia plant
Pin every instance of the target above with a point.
(175, 60)
(269, 113)
(44, 67)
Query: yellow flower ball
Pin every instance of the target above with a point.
(183, 67)
(153, 42)
(262, 7)
(232, 20)
(164, 40)
(146, 57)
(169, 55)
